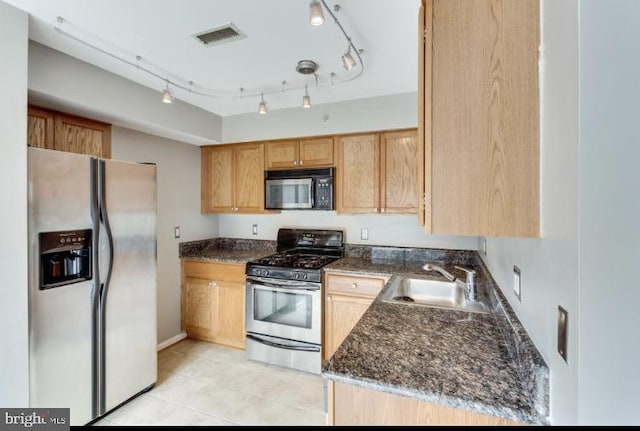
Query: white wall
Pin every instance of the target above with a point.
(609, 212)
(375, 113)
(550, 265)
(14, 354)
(178, 205)
(398, 230)
(57, 80)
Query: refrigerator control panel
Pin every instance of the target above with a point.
(65, 257)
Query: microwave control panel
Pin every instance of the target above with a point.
(324, 194)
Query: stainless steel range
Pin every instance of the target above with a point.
(284, 299)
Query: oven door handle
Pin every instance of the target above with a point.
(285, 286)
(283, 346)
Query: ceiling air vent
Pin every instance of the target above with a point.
(219, 35)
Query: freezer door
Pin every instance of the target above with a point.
(129, 307)
(60, 318)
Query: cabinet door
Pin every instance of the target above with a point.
(198, 303)
(316, 152)
(399, 172)
(78, 135)
(40, 129)
(358, 174)
(341, 315)
(230, 313)
(217, 180)
(281, 154)
(248, 178)
(485, 134)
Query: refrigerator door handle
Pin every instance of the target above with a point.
(105, 282)
(96, 348)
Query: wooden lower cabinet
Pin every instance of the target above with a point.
(356, 405)
(347, 298)
(213, 302)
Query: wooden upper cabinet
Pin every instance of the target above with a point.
(377, 173)
(399, 172)
(62, 132)
(358, 173)
(40, 128)
(299, 153)
(217, 180)
(232, 178)
(480, 119)
(249, 178)
(78, 135)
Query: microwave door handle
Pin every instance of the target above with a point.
(313, 193)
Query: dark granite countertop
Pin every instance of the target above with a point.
(466, 360)
(226, 250)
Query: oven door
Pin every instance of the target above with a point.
(292, 193)
(285, 309)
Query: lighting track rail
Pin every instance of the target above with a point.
(331, 79)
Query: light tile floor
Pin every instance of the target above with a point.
(204, 384)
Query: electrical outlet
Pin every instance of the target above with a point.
(364, 234)
(517, 283)
(176, 232)
(254, 229)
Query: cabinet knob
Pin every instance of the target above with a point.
(328, 297)
(375, 210)
(301, 162)
(382, 210)
(295, 163)
(354, 285)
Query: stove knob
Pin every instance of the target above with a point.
(296, 276)
(304, 276)
(265, 273)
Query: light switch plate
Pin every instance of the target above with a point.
(364, 233)
(176, 232)
(517, 282)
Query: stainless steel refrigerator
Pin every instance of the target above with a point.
(92, 282)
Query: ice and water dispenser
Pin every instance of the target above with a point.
(65, 257)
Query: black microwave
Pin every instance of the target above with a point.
(299, 189)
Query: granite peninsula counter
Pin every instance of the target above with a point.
(230, 250)
(484, 363)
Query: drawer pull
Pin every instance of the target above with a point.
(354, 285)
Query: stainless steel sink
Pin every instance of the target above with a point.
(432, 293)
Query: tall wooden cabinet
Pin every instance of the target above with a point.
(299, 153)
(377, 172)
(213, 302)
(232, 178)
(62, 132)
(479, 117)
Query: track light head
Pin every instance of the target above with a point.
(262, 107)
(167, 97)
(347, 60)
(316, 15)
(306, 99)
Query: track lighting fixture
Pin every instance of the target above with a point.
(316, 16)
(167, 97)
(306, 99)
(347, 59)
(262, 107)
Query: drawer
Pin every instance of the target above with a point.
(233, 272)
(350, 285)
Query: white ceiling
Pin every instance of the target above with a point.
(278, 36)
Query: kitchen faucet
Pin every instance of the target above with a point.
(470, 285)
